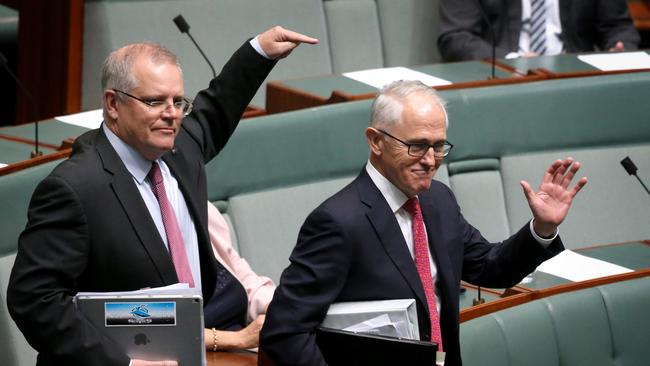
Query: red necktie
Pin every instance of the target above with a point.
(172, 230)
(421, 249)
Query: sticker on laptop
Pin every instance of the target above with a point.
(162, 313)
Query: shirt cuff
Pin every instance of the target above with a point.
(256, 45)
(544, 242)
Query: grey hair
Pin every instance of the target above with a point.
(117, 69)
(388, 106)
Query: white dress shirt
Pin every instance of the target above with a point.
(554, 44)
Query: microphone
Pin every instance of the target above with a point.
(493, 37)
(185, 28)
(32, 101)
(631, 169)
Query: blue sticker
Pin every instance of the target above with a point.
(140, 313)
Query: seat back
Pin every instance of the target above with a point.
(16, 189)
(219, 27)
(604, 325)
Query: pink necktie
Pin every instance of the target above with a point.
(423, 267)
(174, 237)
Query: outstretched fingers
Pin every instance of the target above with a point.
(581, 183)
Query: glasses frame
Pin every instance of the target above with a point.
(160, 103)
(446, 146)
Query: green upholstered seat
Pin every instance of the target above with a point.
(219, 26)
(605, 325)
(16, 191)
(354, 35)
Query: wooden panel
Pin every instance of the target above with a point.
(640, 13)
(49, 57)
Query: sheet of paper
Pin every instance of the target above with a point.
(90, 119)
(576, 267)
(618, 61)
(175, 289)
(2, 165)
(380, 77)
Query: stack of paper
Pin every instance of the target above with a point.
(177, 289)
(393, 318)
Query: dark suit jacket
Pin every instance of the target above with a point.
(90, 230)
(587, 25)
(351, 249)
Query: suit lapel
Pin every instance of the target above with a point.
(135, 209)
(389, 234)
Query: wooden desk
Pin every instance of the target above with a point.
(231, 358)
(555, 67)
(633, 255)
(287, 95)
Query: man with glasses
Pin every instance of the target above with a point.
(128, 209)
(394, 233)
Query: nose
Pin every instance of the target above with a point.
(171, 112)
(429, 158)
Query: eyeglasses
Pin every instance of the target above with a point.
(184, 105)
(440, 149)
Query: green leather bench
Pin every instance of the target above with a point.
(16, 190)
(603, 325)
(354, 35)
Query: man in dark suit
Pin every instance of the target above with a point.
(127, 210)
(369, 242)
(581, 26)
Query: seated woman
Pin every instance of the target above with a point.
(235, 314)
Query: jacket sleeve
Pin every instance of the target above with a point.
(461, 30)
(218, 109)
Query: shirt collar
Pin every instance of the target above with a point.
(135, 163)
(392, 194)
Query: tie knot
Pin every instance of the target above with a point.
(154, 174)
(412, 206)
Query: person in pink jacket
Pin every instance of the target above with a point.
(235, 314)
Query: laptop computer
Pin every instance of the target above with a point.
(150, 327)
(340, 347)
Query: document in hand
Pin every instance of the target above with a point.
(164, 323)
(393, 318)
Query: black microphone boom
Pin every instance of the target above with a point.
(30, 97)
(185, 28)
(631, 169)
(493, 36)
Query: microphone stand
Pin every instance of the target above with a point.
(185, 28)
(479, 300)
(631, 169)
(494, 39)
(32, 101)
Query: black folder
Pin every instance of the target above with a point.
(341, 347)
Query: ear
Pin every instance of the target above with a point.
(111, 104)
(375, 140)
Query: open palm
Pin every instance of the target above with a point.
(550, 204)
